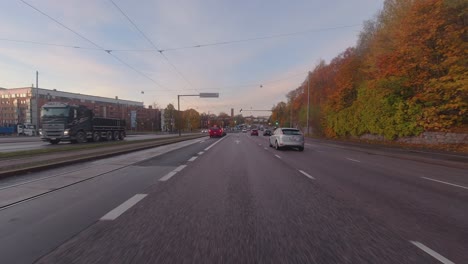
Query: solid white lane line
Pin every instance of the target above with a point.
(353, 160)
(210, 146)
(200, 153)
(307, 175)
(112, 215)
(278, 156)
(168, 176)
(181, 167)
(432, 252)
(193, 158)
(448, 183)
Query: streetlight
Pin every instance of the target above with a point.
(201, 95)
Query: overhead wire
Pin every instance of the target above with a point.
(256, 38)
(92, 42)
(161, 51)
(48, 44)
(152, 44)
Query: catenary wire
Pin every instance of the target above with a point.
(92, 42)
(152, 44)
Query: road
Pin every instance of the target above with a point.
(10, 144)
(235, 200)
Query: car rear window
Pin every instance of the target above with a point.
(214, 128)
(291, 132)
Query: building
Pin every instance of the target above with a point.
(22, 105)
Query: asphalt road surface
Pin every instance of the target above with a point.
(236, 200)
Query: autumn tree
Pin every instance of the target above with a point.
(191, 119)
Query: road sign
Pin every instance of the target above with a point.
(209, 95)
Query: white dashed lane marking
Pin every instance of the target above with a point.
(112, 215)
(448, 183)
(432, 252)
(307, 175)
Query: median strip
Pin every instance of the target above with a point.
(45, 161)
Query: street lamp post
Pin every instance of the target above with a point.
(201, 95)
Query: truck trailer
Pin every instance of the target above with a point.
(62, 122)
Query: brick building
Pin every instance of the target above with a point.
(22, 105)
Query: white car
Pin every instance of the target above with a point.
(287, 137)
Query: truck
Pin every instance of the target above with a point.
(26, 129)
(7, 130)
(63, 122)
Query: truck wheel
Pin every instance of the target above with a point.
(96, 136)
(121, 135)
(54, 142)
(80, 137)
(116, 135)
(109, 135)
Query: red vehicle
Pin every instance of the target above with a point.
(216, 132)
(254, 132)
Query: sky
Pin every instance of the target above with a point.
(250, 52)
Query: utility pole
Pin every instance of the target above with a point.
(291, 117)
(178, 114)
(37, 100)
(308, 100)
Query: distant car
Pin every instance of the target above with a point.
(254, 132)
(287, 138)
(216, 132)
(244, 130)
(267, 132)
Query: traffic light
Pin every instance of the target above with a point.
(276, 122)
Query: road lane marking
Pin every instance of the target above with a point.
(181, 167)
(353, 160)
(172, 173)
(200, 153)
(193, 158)
(210, 146)
(112, 215)
(448, 183)
(431, 252)
(168, 176)
(278, 156)
(307, 175)
(265, 148)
